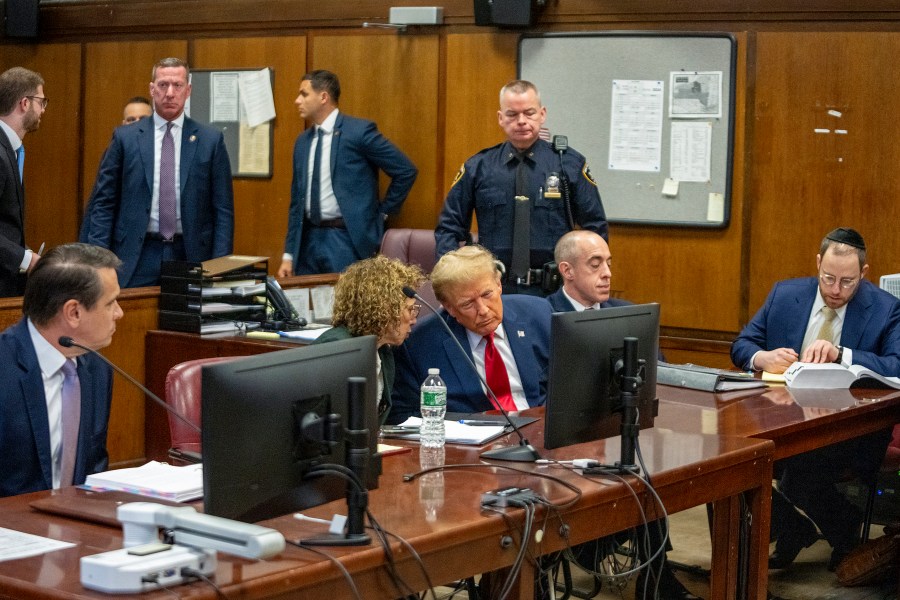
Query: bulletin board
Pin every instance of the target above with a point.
(249, 148)
(652, 112)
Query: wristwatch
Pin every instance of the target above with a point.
(840, 354)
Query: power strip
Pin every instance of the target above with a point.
(143, 568)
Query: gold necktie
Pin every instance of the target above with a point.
(826, 331)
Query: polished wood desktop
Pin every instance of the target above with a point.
(796, 420)
(442, 519)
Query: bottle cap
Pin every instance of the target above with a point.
(434, 371)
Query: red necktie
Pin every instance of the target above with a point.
(496, 375)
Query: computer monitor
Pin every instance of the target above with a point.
(583, 399)
(261, 417)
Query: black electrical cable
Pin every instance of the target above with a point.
(197, 574)
(347, 577)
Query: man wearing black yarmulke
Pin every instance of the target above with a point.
(837, 317)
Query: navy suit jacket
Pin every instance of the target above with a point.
(561, 304)
(120, 203)
(25, 464)
(526, 320)
(871, 325)
(358, 151)
(12, 222)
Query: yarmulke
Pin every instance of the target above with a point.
(845, 235)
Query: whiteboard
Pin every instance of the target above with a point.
(632, 102)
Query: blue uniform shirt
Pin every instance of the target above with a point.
(486, 185)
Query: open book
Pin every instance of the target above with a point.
(705, 379)
(834, 376)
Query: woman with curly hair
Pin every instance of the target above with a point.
(369, 300)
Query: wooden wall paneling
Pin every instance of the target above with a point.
(261, 205)
(52, 159)
(806, 183)
(478, 65)
(392, 79)
(113, 73)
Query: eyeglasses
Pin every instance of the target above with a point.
(846, 282)
(414, 310)
(44, 101)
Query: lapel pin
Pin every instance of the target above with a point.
(193, 138)
(521, 333)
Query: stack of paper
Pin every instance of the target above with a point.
(155, 479)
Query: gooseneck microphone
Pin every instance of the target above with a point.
(67, 342)
(524, 452)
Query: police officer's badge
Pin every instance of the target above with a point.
(459, 174)
(586, 171)
(552, 186)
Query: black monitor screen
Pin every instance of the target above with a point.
(583, 400)
(263, 418)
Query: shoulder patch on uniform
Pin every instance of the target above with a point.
(586, 171)
(459, 174)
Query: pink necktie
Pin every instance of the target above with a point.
(167, 214)
(71, 417)
(496, 375)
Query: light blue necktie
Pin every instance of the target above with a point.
(20, 157)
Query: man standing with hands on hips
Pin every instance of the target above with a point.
(525, 194)
(336, 216)
(22, 102)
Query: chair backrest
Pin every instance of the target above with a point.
(412, 246)
(183, 394)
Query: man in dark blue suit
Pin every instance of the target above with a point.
(150, 205)
(336, 217)
(467, 283)
(585, 266)
(73, 292)
(837, 317)
(22, 103)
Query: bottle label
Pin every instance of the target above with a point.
(434, 398)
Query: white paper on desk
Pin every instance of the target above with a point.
(15, 544)
(456, 432)
(305, 334)
(154, 479)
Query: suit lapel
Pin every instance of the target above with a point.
(85, 425)
(188, 150)
(13, 168)
(804, 302)
(31, 385)
(336, 141)
(146, 143)
(461, 369)
(517, 338)
(856, 318)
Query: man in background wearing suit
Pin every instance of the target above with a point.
(163, 190)
(336, 218)
(506, 336)
(584, 262)
(136, 109)
(22, 102)
(837, 317)
(54, 404)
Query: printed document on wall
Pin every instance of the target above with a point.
(691, 142)
(635, 128)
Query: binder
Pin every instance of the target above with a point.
(705, 379)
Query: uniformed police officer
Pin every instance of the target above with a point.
(524, 193)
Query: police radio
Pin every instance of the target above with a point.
(560, 145)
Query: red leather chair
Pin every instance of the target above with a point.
(414, 247)
(183, 394)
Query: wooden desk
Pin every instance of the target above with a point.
(449, 531)
(797, 421)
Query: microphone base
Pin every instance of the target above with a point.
(521, 453)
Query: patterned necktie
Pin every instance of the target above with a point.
(315, 206)
(826, 331)
(496, 375)
(20, 158)
(71, 418)
(167, 214)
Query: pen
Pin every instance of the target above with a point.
(482, 423)
(41, 249)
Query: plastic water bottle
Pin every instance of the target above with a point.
(433, 407)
